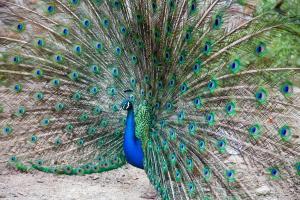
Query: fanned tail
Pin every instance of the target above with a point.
(227, 102)
(215, 84)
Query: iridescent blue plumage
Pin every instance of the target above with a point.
(132, 145)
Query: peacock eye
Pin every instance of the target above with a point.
(33, 138)
(196, 66)
(17, 88)
(206, 47)
(274, 172)
(13, 158)
(98, 46)
(187, 36)
(20, 26)
(118, 50)
(286, 89)
(283, 132)
(169, 29)
(221, 144)
(58, 58)
(65, 31)
(229, 108)
(260, 49)
(201, 144)
(217, 22)
(193, 7)
(106, 23)
(50, 8)
(181, 58)
(233, 65)
(154, 6)
(206, 171)
(40, 42)
(167, 55)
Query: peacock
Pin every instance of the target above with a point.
(201, 94)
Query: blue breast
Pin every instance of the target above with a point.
(132, 145)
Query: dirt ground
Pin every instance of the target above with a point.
(126, 183)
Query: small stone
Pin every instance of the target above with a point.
(20, 193)
(263, 190)
(149, 196)
(2, 196)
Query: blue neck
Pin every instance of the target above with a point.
(132, 145)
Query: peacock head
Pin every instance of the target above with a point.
(126, 105)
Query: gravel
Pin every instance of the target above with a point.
(126, 183)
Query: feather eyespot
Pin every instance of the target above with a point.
(286, 89)
(217, 22)
(212, 85)
(75, 2)
(13, 159)
(193, 7)
(65, 32)
(50, 8)
(7, 130)
(261, 95)
(260, 49)
(285, 133)
(17, 88)
(16, 60)
(33, 139)
(123, 30)
(167, 55)
(105, 23)
(20, 27)
(39, 96)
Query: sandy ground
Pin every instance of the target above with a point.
(126, 183)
